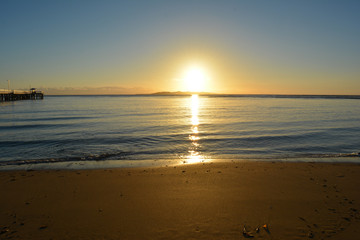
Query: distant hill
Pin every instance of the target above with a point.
(256, 95)
(179, 93)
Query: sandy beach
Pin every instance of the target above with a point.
(235, 200)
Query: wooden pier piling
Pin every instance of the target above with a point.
(20, 95)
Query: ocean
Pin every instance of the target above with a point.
(127, 131)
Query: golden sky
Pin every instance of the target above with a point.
(126, 47)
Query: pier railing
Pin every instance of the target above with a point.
(4, 90)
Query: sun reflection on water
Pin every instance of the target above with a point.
(194, 153)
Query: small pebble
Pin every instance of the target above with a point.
(4, 230)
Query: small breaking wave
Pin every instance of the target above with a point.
(90, 157)
(120, 156)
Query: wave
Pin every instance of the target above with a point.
(34, 126)
(119, 156)
(90, 157)
(46, 119)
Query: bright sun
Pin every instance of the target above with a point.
(195, 79)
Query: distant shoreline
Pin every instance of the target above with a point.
(176, 94)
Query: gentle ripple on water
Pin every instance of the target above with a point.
(173, 128)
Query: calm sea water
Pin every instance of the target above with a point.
(96, 131)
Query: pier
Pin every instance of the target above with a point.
(15, 95)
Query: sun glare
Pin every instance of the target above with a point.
(195, 79)
(194, 153)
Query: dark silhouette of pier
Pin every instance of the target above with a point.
(15, 95)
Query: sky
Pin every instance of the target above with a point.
(131, 47)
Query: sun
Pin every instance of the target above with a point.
(195, 79)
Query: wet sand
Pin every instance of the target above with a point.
(201, 201)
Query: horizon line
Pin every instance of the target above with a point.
(179, 93)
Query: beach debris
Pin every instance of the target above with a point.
(43, 227)
(4, 230)
(266, 228)
(246, 233)
(353, 209)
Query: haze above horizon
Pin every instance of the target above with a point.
(142, 47)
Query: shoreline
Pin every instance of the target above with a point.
(352, 158)
(299, 200)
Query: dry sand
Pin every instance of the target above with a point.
(203, 201)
